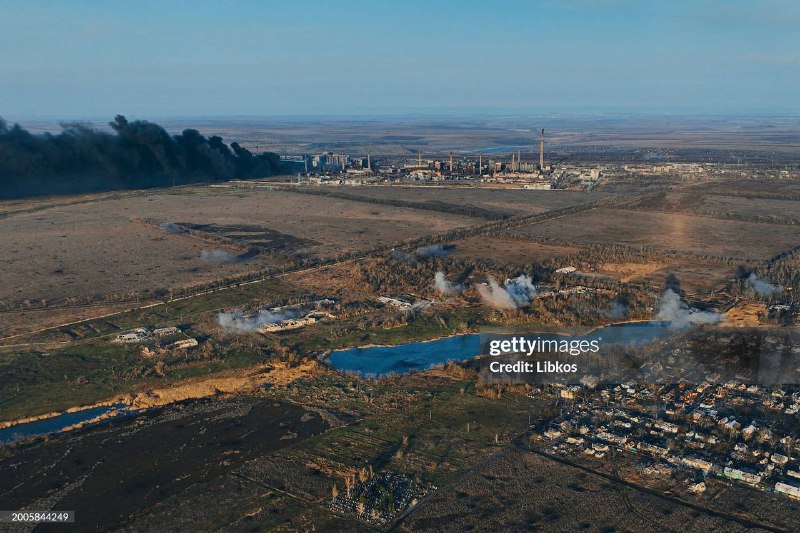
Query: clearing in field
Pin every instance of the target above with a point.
(695, 278)
(628, 271)
(732, 239)
(507, 251)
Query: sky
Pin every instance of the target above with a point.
(93, 59)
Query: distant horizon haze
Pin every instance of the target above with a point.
(353, 58)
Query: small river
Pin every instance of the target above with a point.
(60, 422)
(384, 360)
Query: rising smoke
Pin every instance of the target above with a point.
(617, 310)
(762, 287)
(135, 154)
(435, 250)
(217, 257)
(171, 227)
(422, 253)
(236, 322)
(675, 311)
(403, 257)
(446, 286)
(516, 293)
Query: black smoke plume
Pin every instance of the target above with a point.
(137, 154)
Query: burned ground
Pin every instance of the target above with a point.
(106, 479)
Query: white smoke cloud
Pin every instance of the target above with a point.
(675, 311)
(400, 255)
(617, 311)
(236, 322)
(762, 287)
(436, 250)
(171, 227)
(516, 293)
(424, 252)
(446, 286)
(217, 257)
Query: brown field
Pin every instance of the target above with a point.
(695, 278)
(24, 320)
(91, 248)
(754, 187)
(682, 233)
(502, 201)
(628, 271)
(507, 251)
(342, 280)
(725, 206)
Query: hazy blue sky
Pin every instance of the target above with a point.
(82, 59)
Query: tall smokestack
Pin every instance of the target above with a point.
(480, 163)
(541, 151)
(519, 160)
(369, 163)
(451, 161)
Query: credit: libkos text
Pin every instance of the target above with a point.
(540, 367)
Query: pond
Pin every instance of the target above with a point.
(404, 358)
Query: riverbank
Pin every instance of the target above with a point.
(228, 383)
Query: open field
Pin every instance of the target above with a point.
(694, 277)
(507, 251)
(741, 207)
(674, 232)
(751, 188)
(90, 249)
(502, 201)
(95, 249)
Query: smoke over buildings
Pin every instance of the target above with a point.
(762, 287)
(516, 293)
(135, 154)
(675, 311)
(446, 286)
(236, 322)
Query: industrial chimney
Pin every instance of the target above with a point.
(541, 152)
